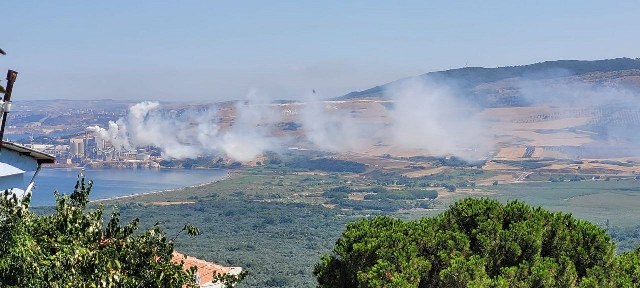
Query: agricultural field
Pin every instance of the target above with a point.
(614, 202)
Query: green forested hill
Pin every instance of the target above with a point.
(469, 77)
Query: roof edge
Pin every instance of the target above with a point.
(41, 157)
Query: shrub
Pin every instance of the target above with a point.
(479, 243)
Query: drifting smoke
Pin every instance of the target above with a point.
(569, 92)
(613, 108)
(190, 133)
(333, 129)
(147, 125)
(251, 134)
(425, 116)
(433, 118)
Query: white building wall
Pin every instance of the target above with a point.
(10, 177)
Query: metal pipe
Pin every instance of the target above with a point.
(11, 78)
(33, 180)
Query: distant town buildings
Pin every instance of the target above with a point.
(87, 150)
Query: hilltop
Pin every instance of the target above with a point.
(498, 87)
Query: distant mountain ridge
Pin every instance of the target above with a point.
(468, 78)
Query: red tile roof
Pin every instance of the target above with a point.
(206, 270)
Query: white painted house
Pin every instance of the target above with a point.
(15, 161)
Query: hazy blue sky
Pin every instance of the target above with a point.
(215, 50)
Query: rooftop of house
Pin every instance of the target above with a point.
(40, 157)
(206, 270)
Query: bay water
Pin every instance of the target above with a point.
(109, 183)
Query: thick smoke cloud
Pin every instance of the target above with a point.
(420, 117)
(191, 133)
(146, 125)
(333, 129)
(251, 134)
(432, 117)
(426, 118)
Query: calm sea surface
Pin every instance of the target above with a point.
(117, 182)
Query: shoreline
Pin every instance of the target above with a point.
(225, 177)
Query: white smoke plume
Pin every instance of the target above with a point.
(433, 118)
(192, 133)
(252, 132)
(425, 117)
(613, 109)
(569, 92)
(332, 129)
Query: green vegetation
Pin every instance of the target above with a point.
(451, 161)
(627, 238)
(380, 199)
(276, 242)
(527, 164)
(458, 177)
(372, 205)
(339, 192)
(478, 243)
(613, 162)
(276, 221)
(402, 195)
(200, 162)
(307, 160)
(74, 248)
(615, 201)
(270, 221)
(327, 164)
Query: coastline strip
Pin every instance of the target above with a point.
(225, 177)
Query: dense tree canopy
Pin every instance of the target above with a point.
(73, 248)
(478, 243)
